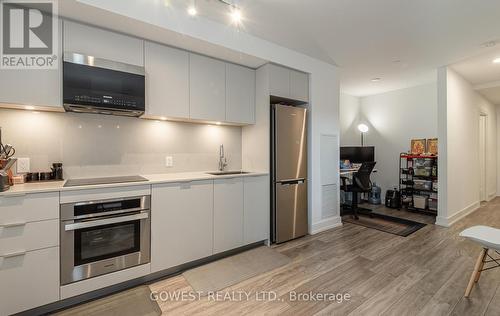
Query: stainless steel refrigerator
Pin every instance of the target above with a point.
(289, 172)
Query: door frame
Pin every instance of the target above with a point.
(483, 154)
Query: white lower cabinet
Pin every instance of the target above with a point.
(181, 223)
(256, 209)
(29, 251)
(29, 236)
(17, 210)
(228, 214)
(29, 280)
(197, 219)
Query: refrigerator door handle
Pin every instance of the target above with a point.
(292, 181)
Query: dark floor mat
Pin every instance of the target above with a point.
(388, 224)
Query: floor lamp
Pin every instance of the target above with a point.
(363, 128)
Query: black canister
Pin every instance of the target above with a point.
(32, 176)
(57, 171)
(45, 176)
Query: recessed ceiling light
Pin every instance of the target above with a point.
(376, 79)
(496, 60)
(163, 118)
(236, 16)
(29, 107)
(192, 11)
(218, 123)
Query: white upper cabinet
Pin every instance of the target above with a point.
(288, 83)
(228, 214)
(240, 94)
(279, 81)
(167, 81)
(207, 90)
(92, 41)
(179, 85)
(299, 86)
(40, 87)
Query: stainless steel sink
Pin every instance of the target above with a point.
(223, 173)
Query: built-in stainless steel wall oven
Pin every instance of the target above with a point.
(99, 237)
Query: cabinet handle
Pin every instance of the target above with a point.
(14, 254)
(8, 225)
(106, 221)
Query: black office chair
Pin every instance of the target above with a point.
(360, 184)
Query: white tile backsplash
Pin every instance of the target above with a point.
(91, 145)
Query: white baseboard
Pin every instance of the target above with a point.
(491, 196)
(450, 220)
(325, 224)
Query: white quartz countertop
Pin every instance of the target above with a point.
(58, 186)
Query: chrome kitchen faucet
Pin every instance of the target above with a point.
(222, 158)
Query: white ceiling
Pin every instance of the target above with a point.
(482, 73)
(400, 41)
(480, 69)
(77, 11)
(492, 94)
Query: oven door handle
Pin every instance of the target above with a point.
(106, 221)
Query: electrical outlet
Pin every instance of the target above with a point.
(169, 161)
(23, 165)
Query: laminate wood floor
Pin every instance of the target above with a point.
(423, 274)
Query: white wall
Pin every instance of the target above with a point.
(394, 119)
(92, 145)
(324, 85)
(498, 151)
(350, 117)
(459, 110)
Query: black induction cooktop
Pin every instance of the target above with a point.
(107, 180)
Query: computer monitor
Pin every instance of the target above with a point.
(357, 154)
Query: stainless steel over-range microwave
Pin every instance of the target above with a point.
(96, 85)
